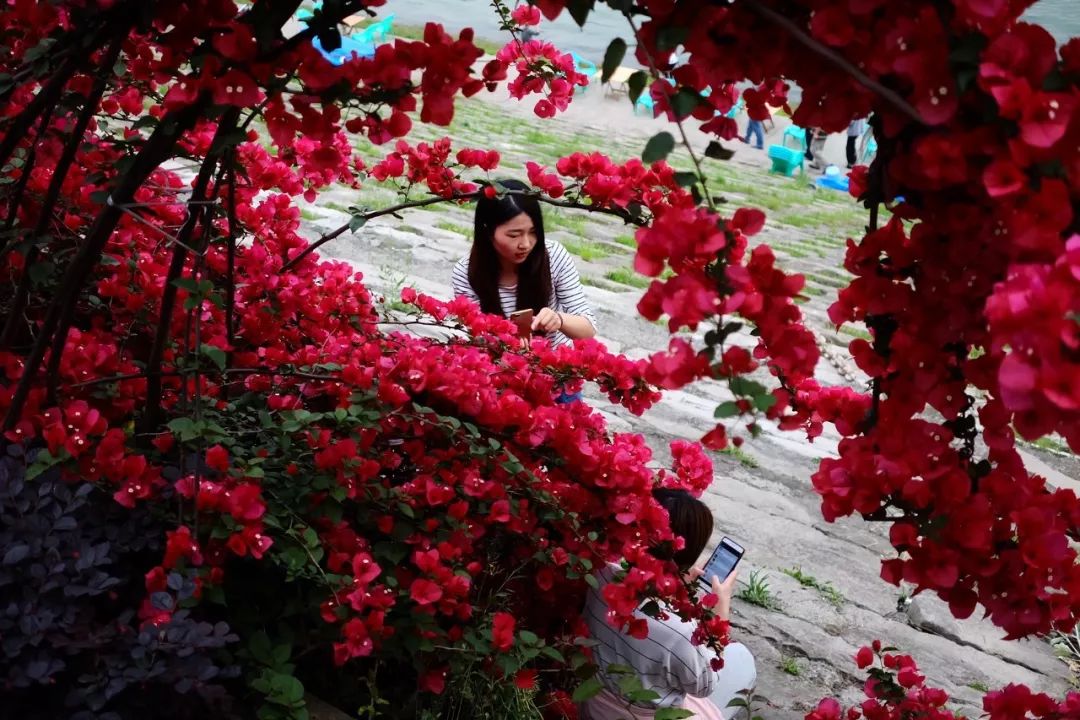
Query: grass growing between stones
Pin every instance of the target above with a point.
(336, 206)
(757, 591)
(1046, 443)
(855, 332)
(454, 228)
(587, 251)
(745, 459)
(626, 276)
(626, 241)
(826, 589)
(790, 665)
(416, 32)
(979, 687)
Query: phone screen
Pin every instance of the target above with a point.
(722, 561)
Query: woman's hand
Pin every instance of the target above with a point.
(547, 320)
(722, 590)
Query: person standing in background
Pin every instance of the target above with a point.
(814, 139)
(757, 129)
(854, 131)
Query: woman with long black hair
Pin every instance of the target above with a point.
(667, 661)
(512, 267)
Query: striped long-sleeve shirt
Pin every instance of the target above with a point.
(568, 296)
(666, 661)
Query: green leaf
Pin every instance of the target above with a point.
(764, 402)
(671, 37)
(356, 222)
(684, 102)
(579, 10)
(742, 386)
(528, 637)
(659, 147)
(227, 140)
(392, 552)
(588, 689)
(642, 695)
(619, 669)
(286, 690)
(673, 713)
(216, 355)
(260, 648)
(553, 654)
(41, 271)
(282, 653)
(718, 152)
(636, 84)
(686, 179)
(613, 57)
(726, 409)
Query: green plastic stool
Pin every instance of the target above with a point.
(785, 160)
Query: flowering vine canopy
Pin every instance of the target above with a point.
(171, 342)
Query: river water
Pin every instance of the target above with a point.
(1060, 17)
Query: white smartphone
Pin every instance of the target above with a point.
(722, 561)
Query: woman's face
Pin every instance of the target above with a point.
(515, 239)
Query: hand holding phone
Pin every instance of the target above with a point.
(722, 562)
(523, 319)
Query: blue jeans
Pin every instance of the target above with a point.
(757, 129)
(565, 398)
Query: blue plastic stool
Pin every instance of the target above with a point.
(833, 180)
(350, 47)
(645, 102)
(586, 68)
(785, 160)
(378, 32)
(869, 152)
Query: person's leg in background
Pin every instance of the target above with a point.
(851, 158)
(737, 677)
(758, 129)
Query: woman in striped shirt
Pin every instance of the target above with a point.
(667, 662)
(511, 267)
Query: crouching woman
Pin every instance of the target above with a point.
(666, 661)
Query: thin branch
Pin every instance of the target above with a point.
(24, 176)
(337, 232)
(56, 183)
(230, 254)
(678, 121)
(61, 311)
(800, 35)
(46, 98)
(176, 269)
